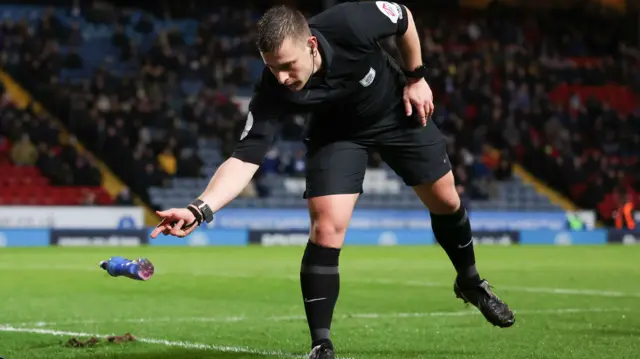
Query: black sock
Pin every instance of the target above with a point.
(320, 284)
(453, 233)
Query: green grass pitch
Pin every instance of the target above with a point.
(396, 302)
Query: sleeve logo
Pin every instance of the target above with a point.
(247, 126)
(390, 10)
(368, 78)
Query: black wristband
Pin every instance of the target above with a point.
(205, 210)
(196, 213)
(419, 72)
(187, 226)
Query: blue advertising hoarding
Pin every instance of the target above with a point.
(626, 237)
(364, 237)
(549, 237)
(358, 237)
(298, 219)
(205, 237)
(24, 237)
(396, 237)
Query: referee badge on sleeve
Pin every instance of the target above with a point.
(390, 10)
(247, 126)
(368, 78)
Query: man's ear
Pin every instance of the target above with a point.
(312, 44)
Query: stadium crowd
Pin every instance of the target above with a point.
(508, 87)
(29, 139)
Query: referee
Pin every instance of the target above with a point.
(332, 70)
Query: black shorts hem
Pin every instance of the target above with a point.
(430, 178)
(328, 192)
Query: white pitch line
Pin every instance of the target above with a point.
(417, 283)
(453, 314)
(135, 321)
(233, 349)
(474, 312)
(172, 343)
(559, 291)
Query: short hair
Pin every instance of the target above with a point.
(279, 23)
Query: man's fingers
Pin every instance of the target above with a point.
(421, 112)
(428, 112)
(171, 225)
(165, 214)
(164, 229)
(429, 108)
(177, 228)
(160, 228)
(157, 231)
(407, 106)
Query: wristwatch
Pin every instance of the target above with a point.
(204, 212)
(419, 72)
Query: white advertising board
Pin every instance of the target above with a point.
(71, 217)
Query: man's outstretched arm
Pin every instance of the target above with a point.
(229, 179)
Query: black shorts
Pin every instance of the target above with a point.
(417, 155)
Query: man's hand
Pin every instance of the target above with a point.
(172, 222)
(418, 93)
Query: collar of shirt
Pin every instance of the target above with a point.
(326, 51)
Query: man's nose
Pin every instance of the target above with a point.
(282, 77)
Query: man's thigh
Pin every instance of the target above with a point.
(417, 154)
(335, 168)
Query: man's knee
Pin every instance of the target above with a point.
(441, 196)
(330, 216)
(328, 233)
(447, 203)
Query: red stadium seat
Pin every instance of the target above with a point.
(620, 98)
(25, 185)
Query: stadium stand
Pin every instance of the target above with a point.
(40, 168)
(157, 101)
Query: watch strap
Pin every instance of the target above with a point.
(419, 72)
(206, 212)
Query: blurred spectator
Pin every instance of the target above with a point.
(504, 170)
(89, 199)
(73, 60)
(168, 161)
(23, 152)
(464, 198)
(297, 165)
(624, 214)
(144, 25)
(75, 38)
(189, 164)
(124, 198)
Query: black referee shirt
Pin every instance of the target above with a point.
(358, 85)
